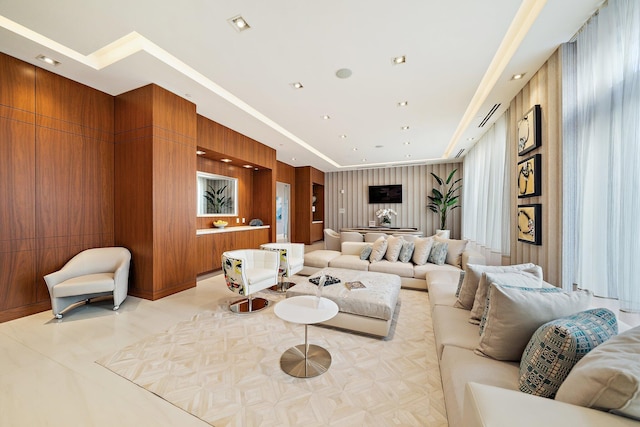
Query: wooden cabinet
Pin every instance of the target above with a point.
(309, 223)
(212, 245)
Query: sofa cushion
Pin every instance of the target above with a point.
(607, 378)
(406, 252)
(366, 252)
(402, 269)
(526, 278)
(394, 245)
(557, 346)
(378, 250)
(320, 258)
(438, 254)
(450, 328)
(351, 262)
(473, 274)
(455, 248)
(441, 293)
(514, 314)
(422, 250)
(421, 271)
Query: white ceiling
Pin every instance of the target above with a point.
(455, 51)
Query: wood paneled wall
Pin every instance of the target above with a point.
(155, 183)
(544, 88)
(304, 231)
(348, 190)
(56, 171)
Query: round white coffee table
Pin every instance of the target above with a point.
(305, 360)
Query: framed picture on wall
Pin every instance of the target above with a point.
(529, 176)
(530, 224)
(530, 131)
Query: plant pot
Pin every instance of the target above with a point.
(444, 233)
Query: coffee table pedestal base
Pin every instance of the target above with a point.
(316, 362)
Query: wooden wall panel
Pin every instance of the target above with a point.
(348, 190)
(211, 246)
(545, 89)
(264, 199)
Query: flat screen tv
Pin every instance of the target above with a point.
(385, 193)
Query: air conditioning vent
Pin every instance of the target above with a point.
(488, 116)
(460, 153)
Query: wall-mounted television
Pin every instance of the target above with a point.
(385, 193)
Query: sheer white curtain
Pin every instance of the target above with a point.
(608, 154)
(485, 222)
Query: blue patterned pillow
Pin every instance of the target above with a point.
(406, 252)
(558, 345)
(438, 254)
(366, 252)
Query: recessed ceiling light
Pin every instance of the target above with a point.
(293, 158)
(200, 152)
(517, 76)
(326, 117)
(364, 160)
(247, 166)
(354, 149)
(407, 143)
(399, 60)
(405, 128)
(48, 60)
(379, 146)
(470, 139)
(408, 155)
(403, 103)
(225, 160)
(343, 136)
(239, 23)
(188, 95)
(296, 85)
(343, 73)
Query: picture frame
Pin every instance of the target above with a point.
(372, 224)
(530, 131)
(529, 224)
(530, 176)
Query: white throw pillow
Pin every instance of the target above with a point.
(525, 278)
(514, 314)
(394, 245)
(421, 250)
(455, 248)
(378, 250)
(473, 274)
(608, 377)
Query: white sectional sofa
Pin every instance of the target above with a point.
(480, 391)
(411, 276)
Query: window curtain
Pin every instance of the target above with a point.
(607, 117)
(485, 216)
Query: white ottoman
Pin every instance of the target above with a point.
(369, 310)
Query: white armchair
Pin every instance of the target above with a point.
(90, 274)
(247, 271)
(291, 261)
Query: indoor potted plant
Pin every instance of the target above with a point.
(444, 198)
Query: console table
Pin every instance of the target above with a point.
(387, 230)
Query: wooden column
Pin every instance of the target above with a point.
(155, 187)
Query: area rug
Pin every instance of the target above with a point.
(225, 369)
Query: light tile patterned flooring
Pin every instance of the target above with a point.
(48, 373)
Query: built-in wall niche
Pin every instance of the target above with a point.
(217, 195)
(317, 199)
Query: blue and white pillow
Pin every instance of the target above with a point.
(406, 252)
(438, 254)
(558, 345)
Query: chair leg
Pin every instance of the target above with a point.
(249, 305)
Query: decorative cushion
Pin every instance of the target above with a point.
(406, 252)
(514, 314)
(525, 278)
(366, 252)
(394, 245)
(421, 251)
(473, 274)
(462, 273)
(455, 248)
(378, 249)
(608, 377)
(438, 254)
(557, 346)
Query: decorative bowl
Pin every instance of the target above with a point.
(220, 224)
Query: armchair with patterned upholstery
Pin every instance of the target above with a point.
(247, 271)
(291, 261)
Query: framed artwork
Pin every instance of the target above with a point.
(529, 176)
(530, 224)
(530, 131)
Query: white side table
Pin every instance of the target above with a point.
(305, 360)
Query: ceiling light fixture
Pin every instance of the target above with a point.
(225, 160)
(326, 117)
(364, 160)
(403, 103)
(200, 152)
(239, 23)
(405, 128)
(408, 155)
(293, 158)
(343, 136)
(354, 149)
(247, 166)
(48, 60)
(296, 85)
(518, 76)
(343, 73)
(407, 143)
(399, 60)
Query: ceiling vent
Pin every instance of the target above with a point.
(459, 153)
(488, 116)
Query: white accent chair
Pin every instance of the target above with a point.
(331, 240)
(291, 261)
(90, 274)
(247, 271)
